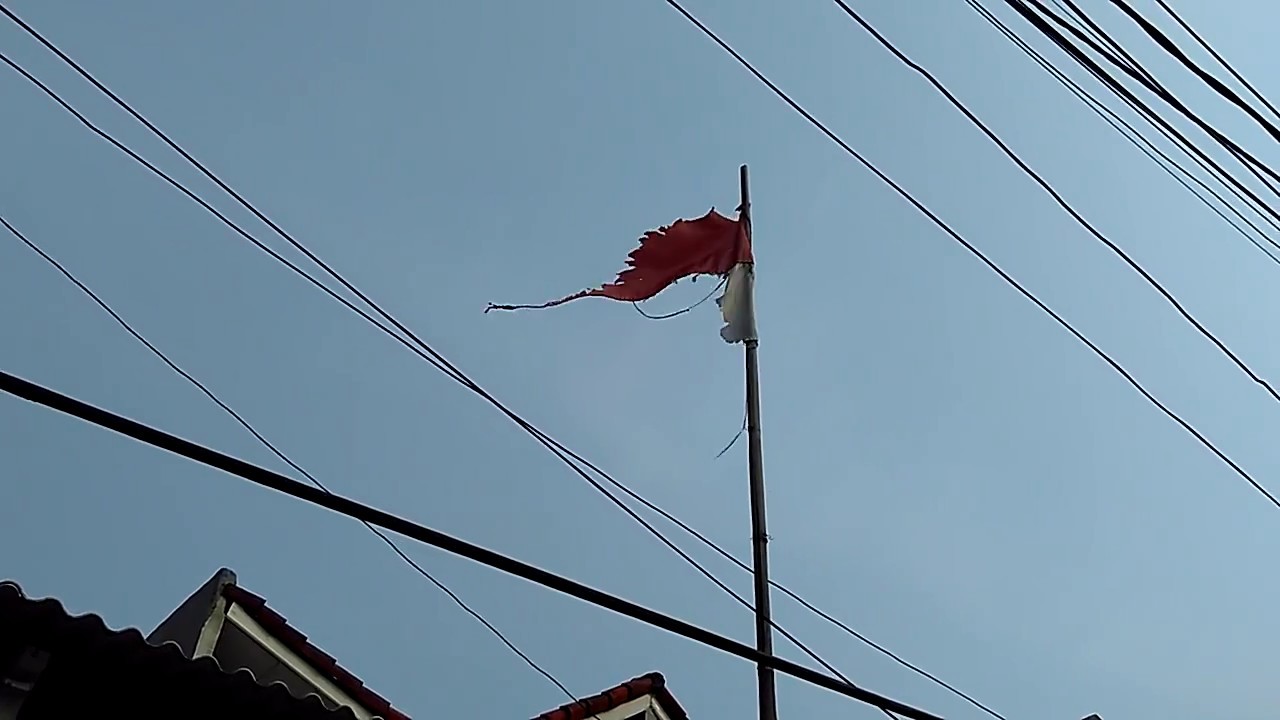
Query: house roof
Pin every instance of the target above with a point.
(201, 685)
(322, 662)
(206, 689)
(652, 684)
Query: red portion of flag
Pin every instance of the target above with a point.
(710, 245)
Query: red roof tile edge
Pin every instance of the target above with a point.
(278, 626)
(651, 684)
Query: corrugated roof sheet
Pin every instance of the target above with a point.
(279, 627)
(202, 687)
(652, 684)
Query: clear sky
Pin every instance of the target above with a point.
(948, 470)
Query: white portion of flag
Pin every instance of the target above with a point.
(738, 304)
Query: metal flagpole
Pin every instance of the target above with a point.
(759, 533)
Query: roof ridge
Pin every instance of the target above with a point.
(651, 683)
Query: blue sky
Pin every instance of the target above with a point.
(948, 470)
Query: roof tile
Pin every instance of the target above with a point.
(651, 684)
(297, 642)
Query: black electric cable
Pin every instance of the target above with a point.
(973, 249)
(424, 351)
(37, 394)
(1136, 138)
(275, 450)
(1247, 194)
(1218, 86)
(1070, 8)
(545, 438)
(568, 457)
(1250, 162)
(1217, 56)
(278, 453)
(1062, 202)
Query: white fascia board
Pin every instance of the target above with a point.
(207, 638)
(656, 711)
(631, 708)
(291, 660)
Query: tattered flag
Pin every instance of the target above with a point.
(710, 245)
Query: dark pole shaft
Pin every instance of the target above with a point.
(759, 532)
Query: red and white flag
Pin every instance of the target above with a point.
(710, 245)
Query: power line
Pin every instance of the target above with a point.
(1250, 162)
(1218, 86)
(270, 446)
(432, 357)
(1149, 81)
(263, 477)
(542, 438)
(1009, 279)
(278, 453)
(97, 299)
(1070, 8)
(1060, 200)
(1221, 60)
(1136, 138)
(1242, 191)
(357, 291)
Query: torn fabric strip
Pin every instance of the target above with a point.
(738, 305)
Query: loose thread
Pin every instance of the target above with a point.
(682, 311)
(736, 437)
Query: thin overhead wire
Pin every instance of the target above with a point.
(1247, 194)
(1062, 202)
(1135, 70)
(1135, 137)
(446, 369)
(1067, 7)
(275, 450)
(571, 459)
(262, 477)
(1265, 174)
(1176, 52)
(1216, 56)
(921, 207)
(424, 350)
(991, 264)
(203, 388)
